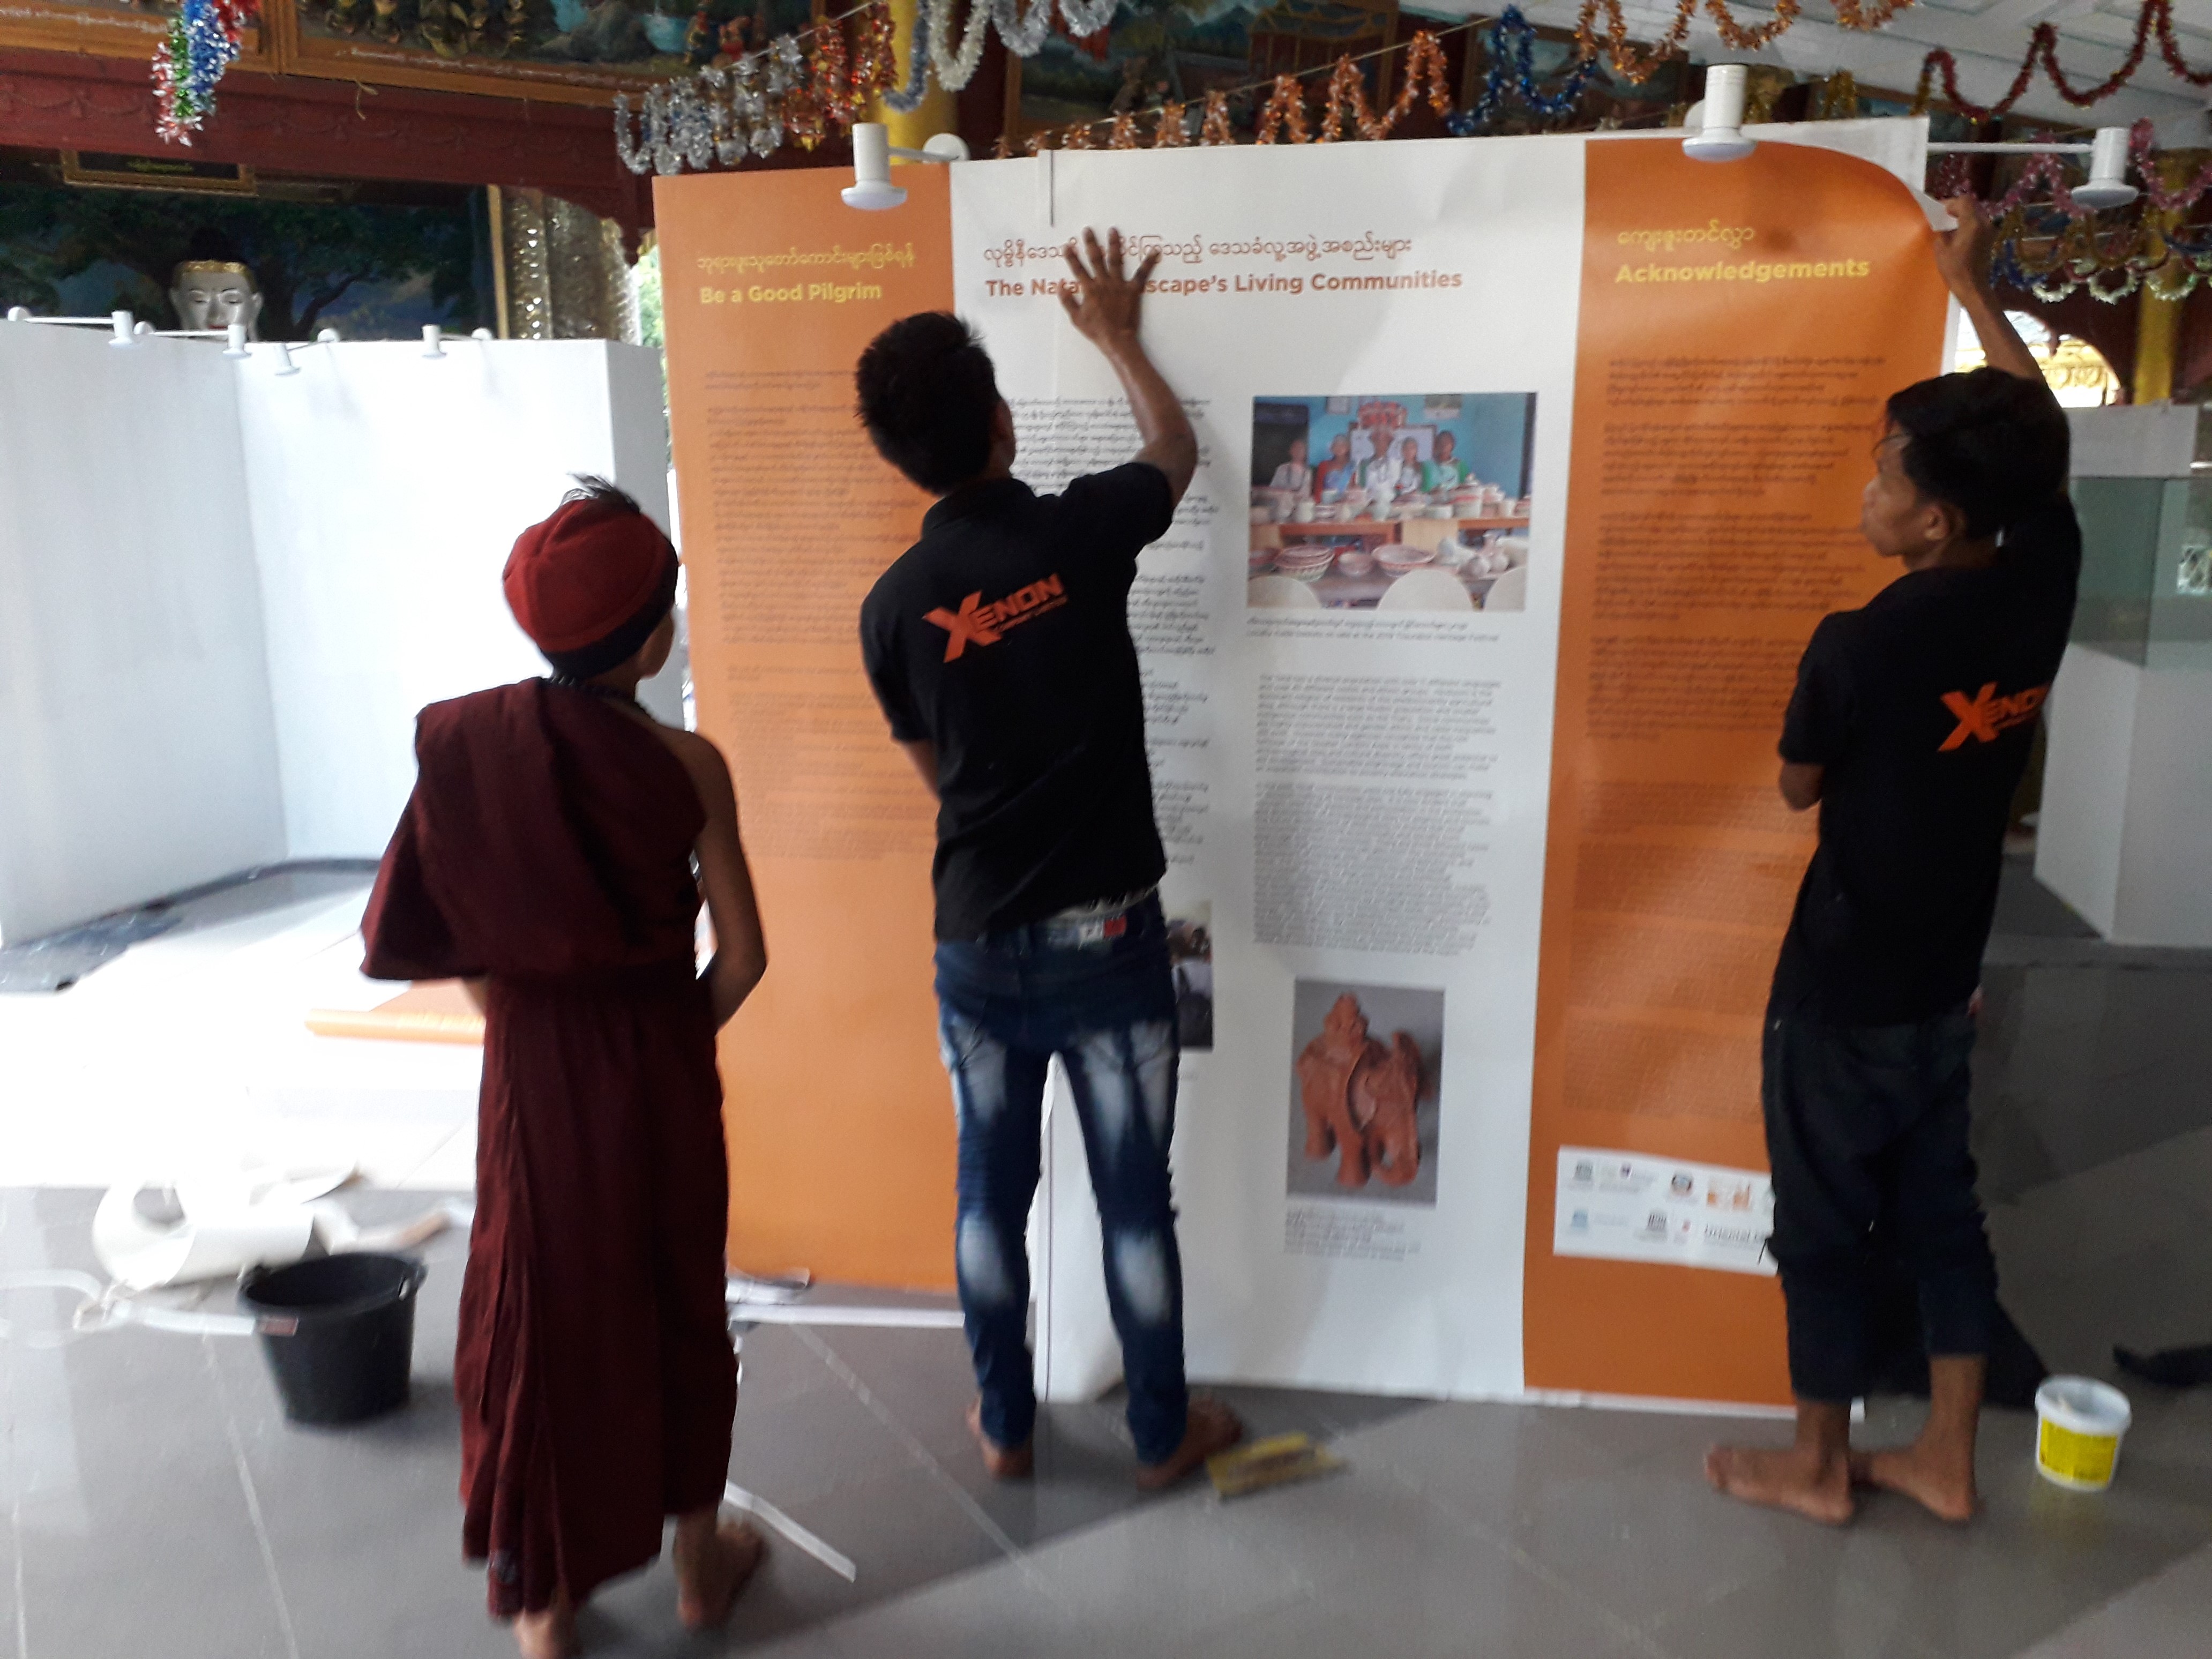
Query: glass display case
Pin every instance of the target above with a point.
(2146, 593)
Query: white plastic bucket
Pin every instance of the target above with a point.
(2078, 1437)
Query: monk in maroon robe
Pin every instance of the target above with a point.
(546, 858)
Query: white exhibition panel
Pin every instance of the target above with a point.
(1325, 1315)
(225, 592)
(386, 490)
(2125, 834)
(2125, 830)
(138, 754)
(1422, 1294)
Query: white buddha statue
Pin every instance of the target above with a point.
(213, 293)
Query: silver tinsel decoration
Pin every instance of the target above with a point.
(718, 115)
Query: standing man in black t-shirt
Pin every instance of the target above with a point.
(1911, 726)
(998, 646)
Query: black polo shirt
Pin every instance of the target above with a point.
(1921, 707)
(1002, 636)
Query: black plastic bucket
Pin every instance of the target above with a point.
(352, 1342)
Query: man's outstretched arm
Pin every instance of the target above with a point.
(1962, 254)
(1103, 304)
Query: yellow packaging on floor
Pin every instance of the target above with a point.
(2078, 1436)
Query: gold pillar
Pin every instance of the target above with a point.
(2158, 319)
(938, 110)
(2158, 332)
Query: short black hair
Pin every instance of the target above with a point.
(1992, 445)
(927, 396)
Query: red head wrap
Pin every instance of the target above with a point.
(592, 574)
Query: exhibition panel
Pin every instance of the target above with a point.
(1455, 766)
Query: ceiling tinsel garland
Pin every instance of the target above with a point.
(2080, 249)
(1284, 115)
(1639, 63)
(1510, 44)
(1347, 93)
(955, 60)
(1283, 119)
(776, 95)
(202, 41)
(2156, 17)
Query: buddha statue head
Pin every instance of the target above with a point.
(213, 293)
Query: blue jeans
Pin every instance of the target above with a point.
(1102, 999)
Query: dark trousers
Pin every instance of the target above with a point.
(1867, 1136)
(1105, 1004)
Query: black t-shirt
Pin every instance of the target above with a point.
(1921, 707)
(1002, 636)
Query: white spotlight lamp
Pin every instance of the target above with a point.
(126, 329)
(233, 340)
(284, 363)
(326, 336)
(433, 340)
(1720, 135)
(871, 187)
(2108, 185)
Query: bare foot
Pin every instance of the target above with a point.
(1943, 1486)
(711, 1572)
(1802, 1479)
(1211, 1428)
(550, 1634)
(999, 1462)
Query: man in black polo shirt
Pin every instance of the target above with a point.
(1911, 726)
(998, 646)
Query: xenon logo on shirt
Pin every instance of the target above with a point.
(1985, 714)
(986, 625)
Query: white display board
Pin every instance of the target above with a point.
(1336, 1279)
(138, 753)
(225, 591)
(386, 490)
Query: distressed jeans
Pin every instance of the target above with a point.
(1100, 996)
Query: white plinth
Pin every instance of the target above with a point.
(2125, 836)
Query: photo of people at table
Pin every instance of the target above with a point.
(1392, 501)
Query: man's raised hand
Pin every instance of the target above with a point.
(1962, 253)
(1103, 302)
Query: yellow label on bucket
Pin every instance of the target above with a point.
(2079, 1460)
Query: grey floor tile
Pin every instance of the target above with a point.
(902, 1531)
(1489, 1461)
(780, 1362)
(1782, 1613)
(1647, 1541)
(2166, 1617)
(798, 1446)
(780, 1365)
(1083, 1477)
(1493, 1610)
(2033, 1561)
(921, 1378)
(1164, 1574)
(131, 1463)
(1388, 1567)
(994, 1613)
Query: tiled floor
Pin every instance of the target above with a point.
(152, 1500)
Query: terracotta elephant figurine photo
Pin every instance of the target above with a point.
(1360, 1097)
